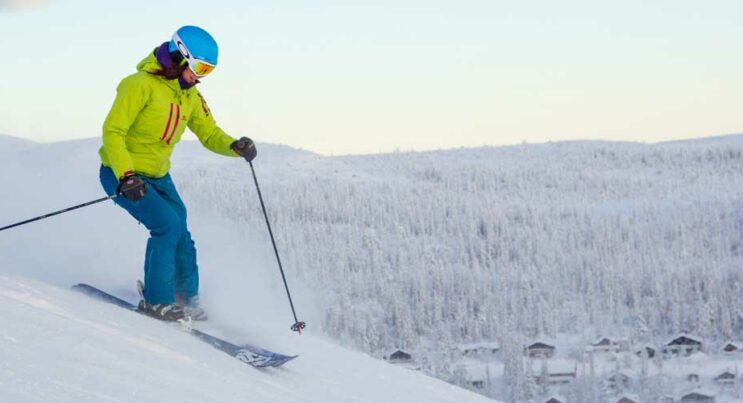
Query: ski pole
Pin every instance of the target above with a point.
(297, 326)
(58, 212)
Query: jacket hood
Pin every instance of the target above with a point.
(149, 64)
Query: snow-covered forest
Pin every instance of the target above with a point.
(426, 251)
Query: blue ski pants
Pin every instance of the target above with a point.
(170, 259)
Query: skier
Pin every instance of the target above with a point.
(151, 111)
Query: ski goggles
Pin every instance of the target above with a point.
(200, 67)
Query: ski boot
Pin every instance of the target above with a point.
(164, 312)
(192, 307)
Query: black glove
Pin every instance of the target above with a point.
(245, 147)
(132, 187)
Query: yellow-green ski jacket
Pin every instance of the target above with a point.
(148, 118)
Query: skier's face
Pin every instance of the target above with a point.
(189, 76)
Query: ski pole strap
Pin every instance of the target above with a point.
(58, 212)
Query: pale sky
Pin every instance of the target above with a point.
(349, 76)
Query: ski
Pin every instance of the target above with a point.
(251, 355)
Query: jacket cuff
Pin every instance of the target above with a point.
(125, 174)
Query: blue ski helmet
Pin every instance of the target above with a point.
(197, 47)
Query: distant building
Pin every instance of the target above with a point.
(646, 351)
(681, 346)
(665, 399)
(626, 399)
(732, 347)
(480, 350)
(559, 372)
(605, 345)
(399, 357)
(540, 350)
(618, 381)
(477, 384)
(555, 399)
(477, 376)
(562, 378)
(698, 397)
(726, 378)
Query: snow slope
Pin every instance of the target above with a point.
(11, 144)
(60, 346)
